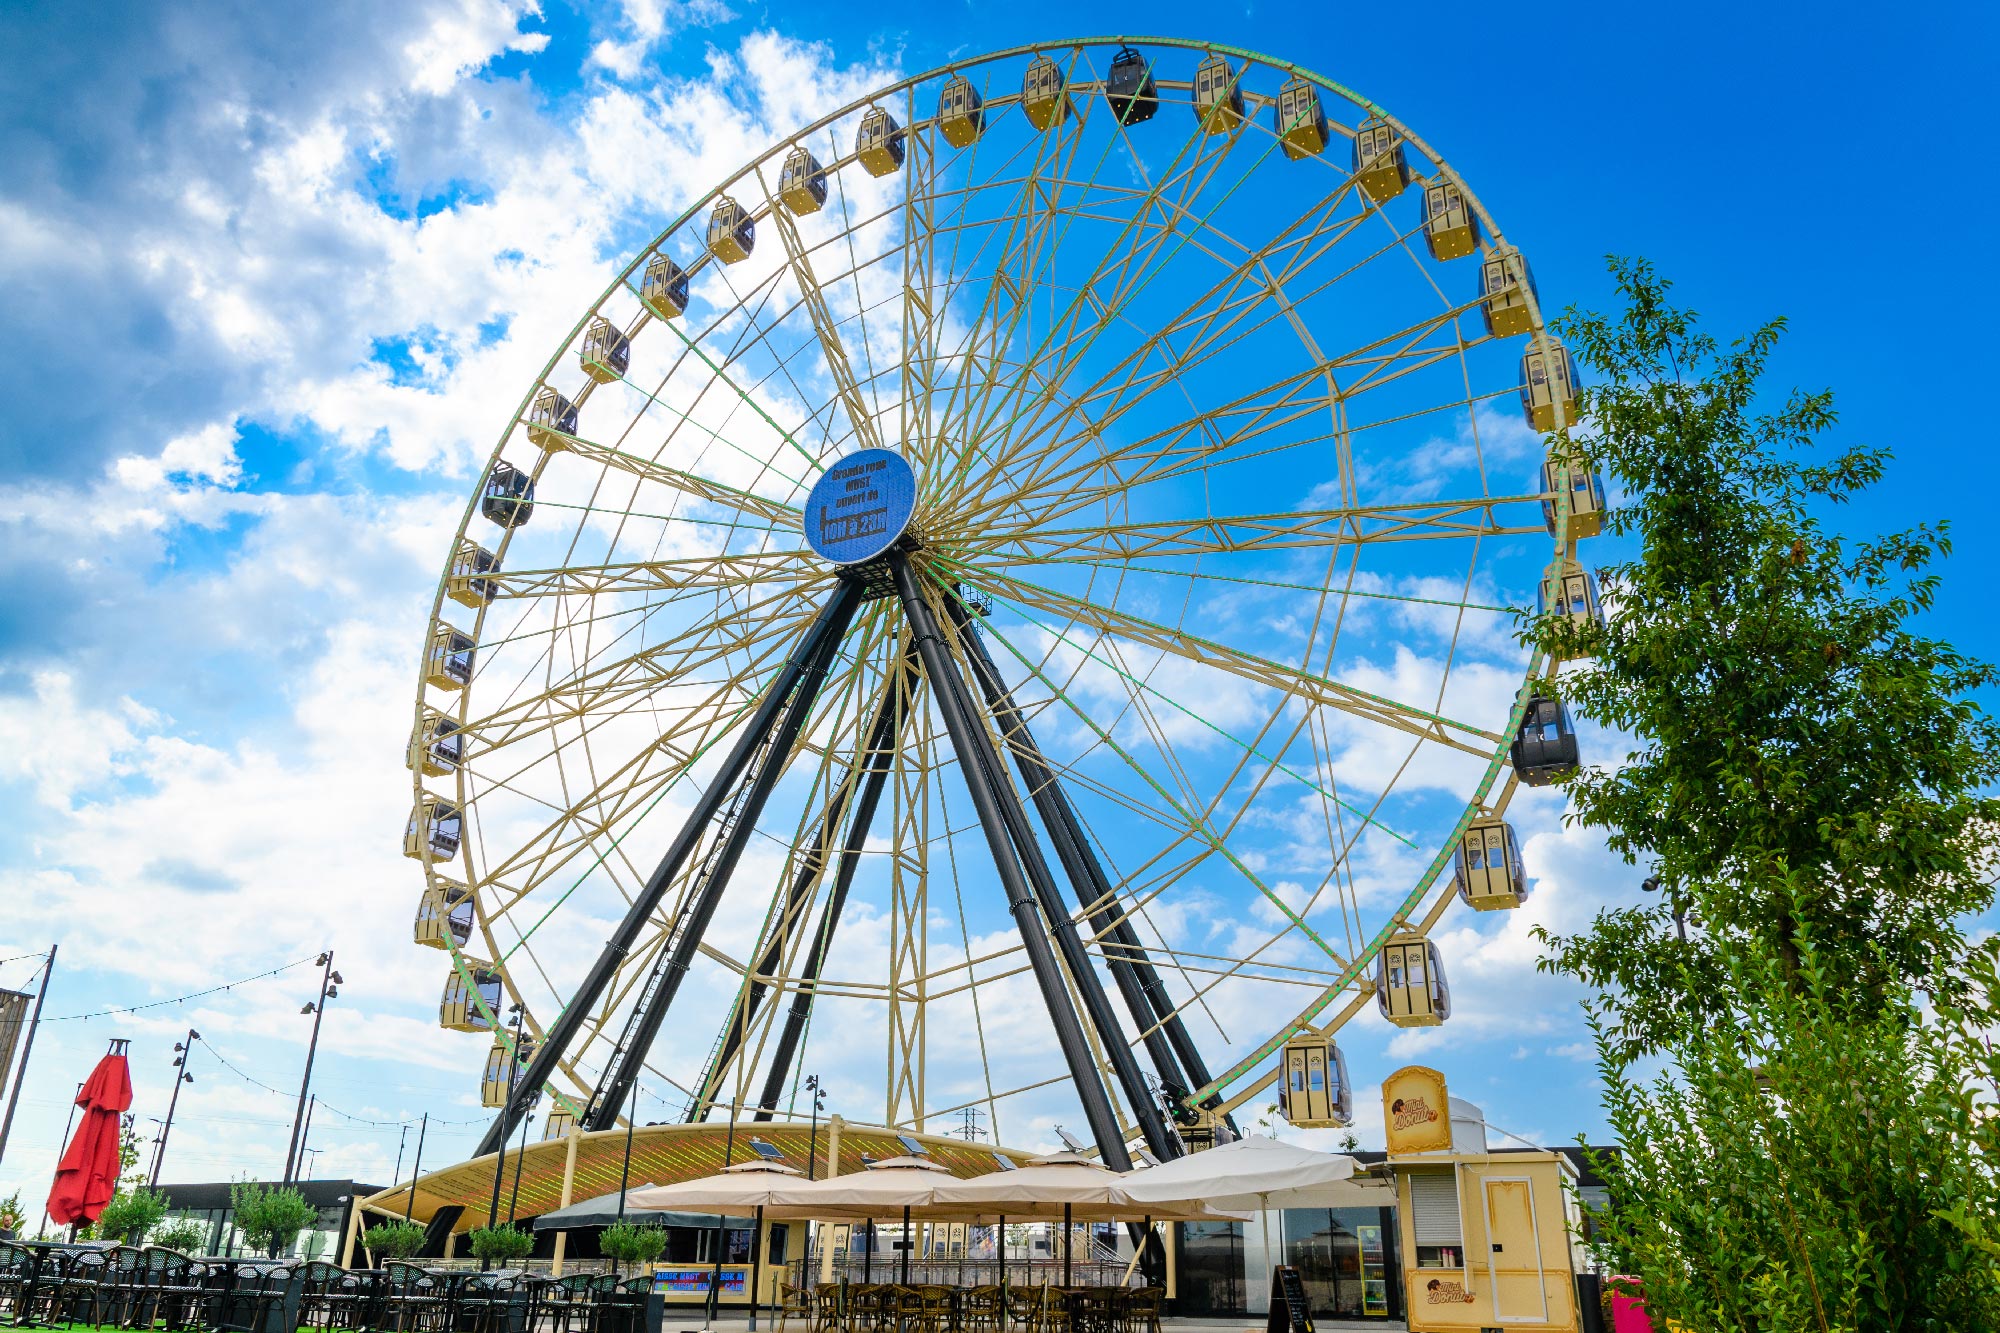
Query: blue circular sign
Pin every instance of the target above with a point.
(860, 506)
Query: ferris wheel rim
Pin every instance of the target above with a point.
(1427, 881)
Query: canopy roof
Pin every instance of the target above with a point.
(603, 1211)
(663, 1155)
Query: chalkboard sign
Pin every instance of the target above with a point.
(1289, 1311)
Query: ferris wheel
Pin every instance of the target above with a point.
(1009, 597)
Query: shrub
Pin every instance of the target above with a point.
(183, 1234)
(501, 1243)
(270, 1216)
(131, 1214)
(394, 1240)
(632, 1243)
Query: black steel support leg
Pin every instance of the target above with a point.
(829, 626)
(642, 1024)
(877, 762)
(1172, 1050)
(985, 780)
(864, 780)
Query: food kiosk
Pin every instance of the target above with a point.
(1486, 1236)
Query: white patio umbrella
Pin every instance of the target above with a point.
(895, 1184)
(747, 1185)
(1254, 1173)
(1259, 1174)
(1070, 1185)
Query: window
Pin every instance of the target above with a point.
(1434, 1219)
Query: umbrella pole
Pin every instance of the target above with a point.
(756, 1264)
(1069, 1236)
(1000, 1244)
(906, 1245)
(868, 1255)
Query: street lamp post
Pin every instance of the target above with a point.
(329, 982)
(182, 1050)
(818, 1104)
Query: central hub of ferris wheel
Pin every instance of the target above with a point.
(861, 506)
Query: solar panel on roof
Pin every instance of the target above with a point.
(1006, 1162)
(916, 1149)
(768, 1151)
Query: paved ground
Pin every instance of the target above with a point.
(678, 1321)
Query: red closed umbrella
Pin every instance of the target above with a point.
(88, 1174)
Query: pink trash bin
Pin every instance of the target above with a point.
(1628, 1311)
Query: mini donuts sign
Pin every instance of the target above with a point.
(1416, 1112)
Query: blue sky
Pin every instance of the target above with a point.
(268, 275)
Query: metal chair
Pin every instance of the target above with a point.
(413, 1300)
(794, 1303)
(981, 1312)
(486, 1304)
(17, 1287)
(561, 1304)
(330, 1298)
(174, 1290)
(1139, 1310)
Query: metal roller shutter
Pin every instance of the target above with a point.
(1434, 1208)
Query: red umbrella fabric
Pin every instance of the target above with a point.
(88, 1173)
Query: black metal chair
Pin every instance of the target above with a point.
(330, 1297)
(17, 1266)
(412, 1299)
(173, 1292)
(561, 1305)
(486, 1303)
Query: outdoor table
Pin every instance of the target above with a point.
(242, 1291)
(44, 1275)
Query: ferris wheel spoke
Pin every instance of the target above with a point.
(1194, 820)
(1301, 685)
(833, 352)
(680, 575)
(1134, 271)
(1123, 261)
(1032, 223)
(1220, 319)
(1121, 251)
(641, 672)
(1231, 534)
(744, 502)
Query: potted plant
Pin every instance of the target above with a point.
(131, 1214)
(270, 1216)
(183, 1234)
(393, 1240)
(500, 1244)
(12, 1219)
(632, 1242)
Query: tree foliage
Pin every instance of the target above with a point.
(131, 1214)
(270, 1216)
(632, 1242)
(1802, 1171)
(1810, 788)
(1807, 760)
(502, 1242)
(394, 1239)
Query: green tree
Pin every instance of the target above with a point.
(131, 1215)
(395, 1239)
(184, 1234)
(1807, 761)
(270, 1216)
(1809, 788)
(500, 1243)
(632, 1242)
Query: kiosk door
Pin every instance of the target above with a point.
(1514, 1252)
